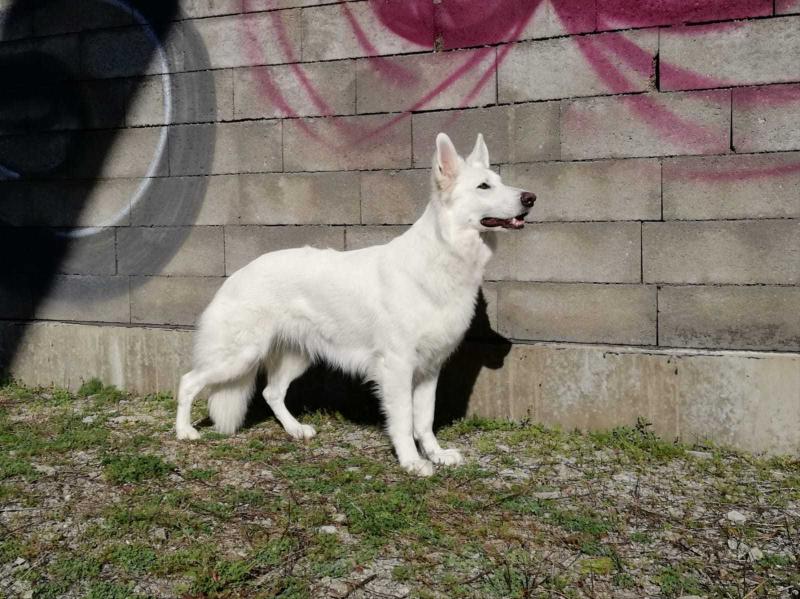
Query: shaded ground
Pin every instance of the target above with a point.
(97, 499)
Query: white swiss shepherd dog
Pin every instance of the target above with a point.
(391, 313)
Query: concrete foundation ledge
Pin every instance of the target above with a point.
(747, 400)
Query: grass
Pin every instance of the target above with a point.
(134, 468)
(97, 499)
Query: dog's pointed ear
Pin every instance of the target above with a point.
(446, 161)
(480, 153)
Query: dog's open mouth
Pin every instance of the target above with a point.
(506, 223)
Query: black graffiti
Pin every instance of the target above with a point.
(61, 112)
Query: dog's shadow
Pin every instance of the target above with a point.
(328, 390)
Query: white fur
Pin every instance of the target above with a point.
(392, 313)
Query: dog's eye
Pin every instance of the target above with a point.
(484, 185)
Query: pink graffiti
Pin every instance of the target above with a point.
(492, 27)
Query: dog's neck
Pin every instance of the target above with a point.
(461, 247)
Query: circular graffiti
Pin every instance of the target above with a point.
(52, 153)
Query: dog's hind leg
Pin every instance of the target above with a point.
(194, 381)
(284, 366)
(394, 382)
(424, 405)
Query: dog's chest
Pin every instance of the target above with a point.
(443, 325)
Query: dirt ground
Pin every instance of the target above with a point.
(97, 499)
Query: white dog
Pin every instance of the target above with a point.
(392, 313)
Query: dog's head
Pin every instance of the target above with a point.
(472, 193)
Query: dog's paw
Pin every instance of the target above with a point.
(447, 457)
(418, 467)
(187, 434)
(302, 432)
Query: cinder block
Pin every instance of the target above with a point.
(171, 300)
(585, 191)
(394, 197)
(91, 256)
(187, 251)
(525, 132)
(86, 298)
(729, 187)
(245, 147)
(15, 296)
(646, 125)
(417, 82)
(243, 40)
(347, 143)
(21, 26)
(204, 200)
(279, 91)
(300, 199)
(766, 118)
(105, 101)
(736, 252)
(612, 14)
(15, 209)
(128, 52)
(513, 22)
(40, 155)
(366, 236)
(563, 67)
(329, 33)
(198, 97)
(99, 203)
(244, 244)
(752, 52)
(200, 9)
(787, 7)
(38, 55)
(624, 314)
(120, 153)
(762, 318)
(146, 104)
(66, 16)
(193, 100)
(568, 252)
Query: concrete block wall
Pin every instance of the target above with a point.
(149, 149)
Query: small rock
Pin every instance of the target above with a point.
(89, 419)
(703, 455)
(339, 518)
(160, 534)
(137, 418)
(755, 554)
(503, 448)
(339, 586)
(691, 597)
(625, 477)
(42, 469)
(546, 495)
(736, 517)
(328, 529)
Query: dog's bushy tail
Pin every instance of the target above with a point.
(227, 404)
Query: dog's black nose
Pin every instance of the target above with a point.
(527, 198)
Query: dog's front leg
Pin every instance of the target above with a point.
(395, 387)
(424, 405)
